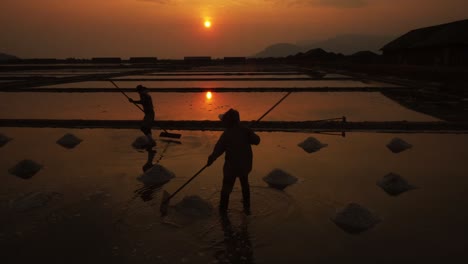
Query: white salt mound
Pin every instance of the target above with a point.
(355, 219)
(25, 169)
(69, 141)
(394, 184)
(141, 142)
(398, 145)
(34, 200)
(156, 175)
(3, 140)
(194, 206)
(279, 179)
(311, 145)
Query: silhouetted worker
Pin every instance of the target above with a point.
(148, 119)
(235, 141)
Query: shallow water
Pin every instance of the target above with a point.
(196, 106)
(233, 73)
(212, 76)
(100, 217)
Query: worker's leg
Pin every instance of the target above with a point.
(228, 183)
(146, 126)
(244, 180)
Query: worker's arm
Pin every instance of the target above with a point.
(218, 150)
(254, 139)
(133, 101)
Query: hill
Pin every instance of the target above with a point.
(344, 44)
(7, 57)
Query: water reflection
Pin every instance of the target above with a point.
(146, 192)
(237, 245)
(195, 106)
(149, 161)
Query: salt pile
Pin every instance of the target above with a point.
(141, 142)
(25, 169)
(3, 140)
(69, 141)
(34, 200)
(279, 179)
(398, 145)
(194, 206)
(311, 145)
(355, 219)
(394, 184)
(156, 175)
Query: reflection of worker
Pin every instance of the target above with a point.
(235, 141)
(147, 191)
(149, 161)
(237, 245)
(148, 120)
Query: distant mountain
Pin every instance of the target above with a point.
(365, 57)
(6, 57)
(318, 55)
(345, 44)
(279, 50)
(350, 44)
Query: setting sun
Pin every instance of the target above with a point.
(207, 23)
(209, 95)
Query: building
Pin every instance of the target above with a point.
(235, 60)
(40, 61)
(197, 59)
(107, 60)
(441, 45)
(143, 60)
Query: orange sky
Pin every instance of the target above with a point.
(174, 28)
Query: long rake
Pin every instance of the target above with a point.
(166, 197)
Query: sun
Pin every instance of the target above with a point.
(207, 24)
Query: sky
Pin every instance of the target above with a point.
(170, 29)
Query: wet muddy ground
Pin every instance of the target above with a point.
(97, 211)
(87, 204)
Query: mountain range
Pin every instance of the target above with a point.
(6, 57)
(344, 44)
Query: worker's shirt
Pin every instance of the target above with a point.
(236, 141)
(146, 102)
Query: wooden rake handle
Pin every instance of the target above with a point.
(125, 94)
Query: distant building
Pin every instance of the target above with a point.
(235, 59)
(197, 59)
(107, 60)
(445, 45)
(143, 60)
(40, 61)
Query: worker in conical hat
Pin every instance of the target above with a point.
(235, 142)
(148, 120)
